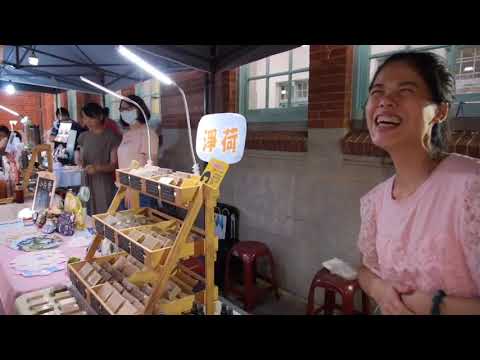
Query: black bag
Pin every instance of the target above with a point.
(231, 216)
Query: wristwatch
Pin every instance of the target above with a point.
(436, 301)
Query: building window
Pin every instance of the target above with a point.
(467, 70)
(462, 60)
(276, 88)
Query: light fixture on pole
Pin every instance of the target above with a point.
(137, 60)
(124, 98)
(4, 108)
(13, 123)
(33, 59)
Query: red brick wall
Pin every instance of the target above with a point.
(173, 110)
(48, 108)
(230, 91)
(83, 99)
(64, 100)
(330, 86)
(37, 106)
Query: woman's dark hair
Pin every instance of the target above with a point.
(63, 111)
(94, 110)
(142, 104)
(106, 111)
(433, 70)
(5, 130)
(18, 135)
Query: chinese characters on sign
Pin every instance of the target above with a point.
(222, 137)
(210, 140)
(229, 141)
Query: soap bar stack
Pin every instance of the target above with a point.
(57, 301)
(124, 220)
(110, 282)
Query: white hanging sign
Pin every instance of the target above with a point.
(221, 136)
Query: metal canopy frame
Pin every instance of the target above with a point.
(210, 59)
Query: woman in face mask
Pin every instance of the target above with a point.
(134, 144)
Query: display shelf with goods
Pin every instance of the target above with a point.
(30, 171)
(146, 276)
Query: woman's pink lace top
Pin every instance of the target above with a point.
(431, 239)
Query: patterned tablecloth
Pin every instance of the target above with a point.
(13, 285)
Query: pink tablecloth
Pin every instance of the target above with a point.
(13, 285)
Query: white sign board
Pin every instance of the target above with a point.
(221, 136)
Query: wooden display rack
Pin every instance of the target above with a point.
(164, 262)
(36, 156)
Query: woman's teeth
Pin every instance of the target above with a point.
(388, 121)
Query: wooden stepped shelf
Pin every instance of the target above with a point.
(157, 241)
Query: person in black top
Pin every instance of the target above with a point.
(64, 116)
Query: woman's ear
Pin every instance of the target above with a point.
(441, 113)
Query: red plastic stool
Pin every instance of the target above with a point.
(335, 284)
(249, 252)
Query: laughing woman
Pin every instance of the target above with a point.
(420, 230)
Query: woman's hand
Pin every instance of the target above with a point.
(419, 302)
(389, 298)
(91, 169)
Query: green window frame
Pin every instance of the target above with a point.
(291, 113)
(361, 79)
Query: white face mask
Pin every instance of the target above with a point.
(130, 116)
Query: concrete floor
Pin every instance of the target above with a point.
(286, 305)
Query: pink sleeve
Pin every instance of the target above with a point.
(368, 232)
(471, 222)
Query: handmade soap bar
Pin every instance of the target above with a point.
(38, 302)
(69, 308)
(94, 278)
(107, 266)
(138, 305)
(151, 243)
(117, 286)
(106, 276)
(62, 295)
(115, 301)
(86, 269)
(130, 269)
(127, 309)
(129, 296)
(105, 291)
(120, 263)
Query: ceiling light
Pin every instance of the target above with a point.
(33, 59)
(468, 68)
(10, 89)
(137, 60)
